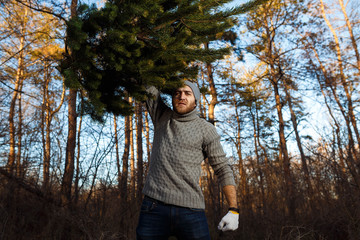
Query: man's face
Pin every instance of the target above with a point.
(183, 100)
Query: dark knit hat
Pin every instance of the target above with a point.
(194, 89)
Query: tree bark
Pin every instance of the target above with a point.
(344, 82)
(139, 148)
(259, 168)
(117, 152)
(243, 186)
(70, 150)
(19, 133)
(46, 161)
(147, 136)
(71, 139)
(284, 156)
(125, 159)
(47, 116)
(18, 86)
(351, 34)
(132, 157)
(213, 92)
(266, 172)
(298, 140)
(350, 161)
(77, 170)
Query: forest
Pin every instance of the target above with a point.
(278, 78)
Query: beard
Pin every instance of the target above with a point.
(184, 108)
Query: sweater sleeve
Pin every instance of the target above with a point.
(155, 105)
(217, 158)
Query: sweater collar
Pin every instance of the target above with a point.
(187, 116)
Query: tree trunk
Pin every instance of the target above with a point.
(344, 82)
(147, 135)
(46, 166)
(202, 104)
(70, 150)
(43, 135)
(284, 157)
(213, 93)
(139, 148)
(117, 152)
(267, 173)
(18, 86)
(243, 186)
(351, 34)
(259, 168)
(271, 59)
(46, 132)
(77, 170)
(71, 139)
(19, 170)
(298, 140)
(125, 159)
(213, 193)
(132, 157)
(328, 82)
(47, 116)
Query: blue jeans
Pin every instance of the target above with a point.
(159, 221)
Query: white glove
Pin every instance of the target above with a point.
(229, 222)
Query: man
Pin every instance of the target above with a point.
(174, 204)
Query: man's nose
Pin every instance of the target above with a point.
(182, 95)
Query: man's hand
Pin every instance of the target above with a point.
(229, 222)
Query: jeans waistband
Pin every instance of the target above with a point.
(155, 200)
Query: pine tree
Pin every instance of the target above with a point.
(120, 48)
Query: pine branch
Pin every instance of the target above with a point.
(245, 7)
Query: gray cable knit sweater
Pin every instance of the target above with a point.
(180, 144)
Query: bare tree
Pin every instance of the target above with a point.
(347, 86)
(17, 92)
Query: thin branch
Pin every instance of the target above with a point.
(22, 49)
(28, 186)
(39, 9)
